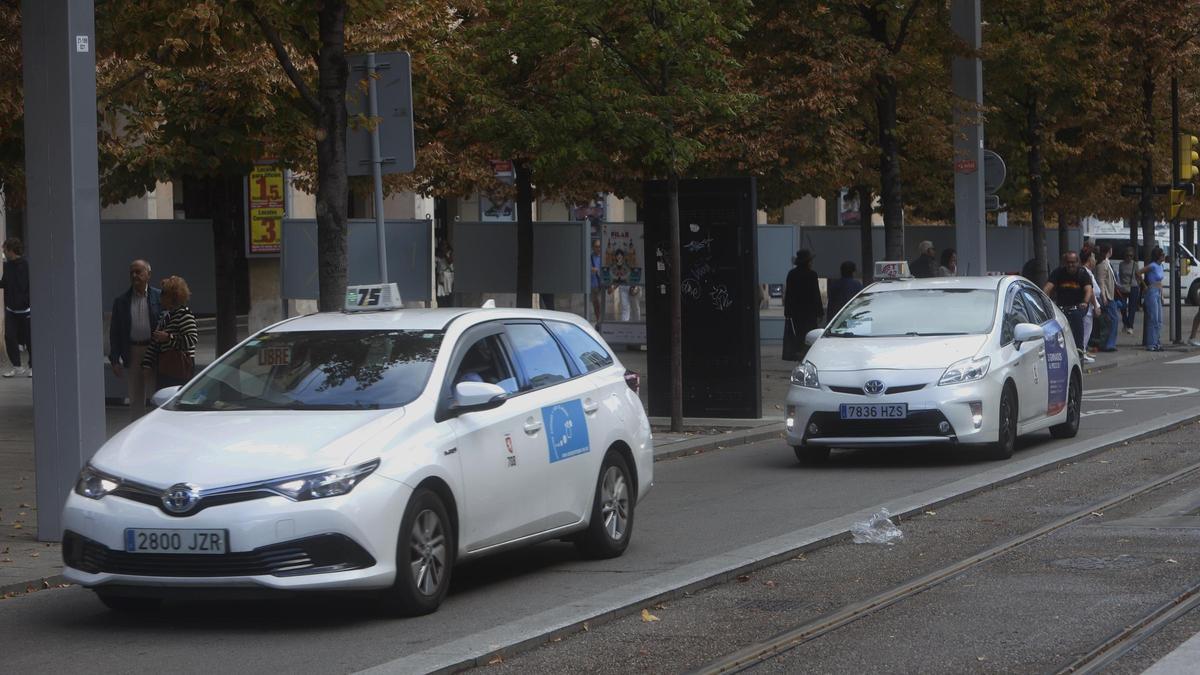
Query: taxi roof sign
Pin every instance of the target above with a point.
(372, 298)
(892, 269)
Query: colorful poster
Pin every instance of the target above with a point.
(265, 212)
(623, 249)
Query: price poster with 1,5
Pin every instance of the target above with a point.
(265, 212)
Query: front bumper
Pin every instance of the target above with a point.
(346, 542)
(936, 415)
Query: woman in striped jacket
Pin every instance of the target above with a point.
(177, 330)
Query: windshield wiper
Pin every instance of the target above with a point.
(914, 333)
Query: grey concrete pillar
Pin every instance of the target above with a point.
(967, 74)
(63, 233)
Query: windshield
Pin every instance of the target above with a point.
(317, 370)
(925, 312)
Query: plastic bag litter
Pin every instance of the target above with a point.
(878, 530)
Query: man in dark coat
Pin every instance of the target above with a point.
(925, 265)
(802, 309)
(15, 284)
(134, 315)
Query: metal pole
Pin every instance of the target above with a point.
(1176, 179)
(376, 166)
(63, 229)
(967, 81)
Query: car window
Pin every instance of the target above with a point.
(587, 354)
(925, 311)
(317, 370)
(1014, 313)
(1034, 307)
(486, 361)
(539, 355)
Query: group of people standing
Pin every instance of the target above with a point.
(152, 336)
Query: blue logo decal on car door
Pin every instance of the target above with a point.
(1057, 366)
(566, 430)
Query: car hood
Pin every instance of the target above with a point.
(898, 353)
(220, 448)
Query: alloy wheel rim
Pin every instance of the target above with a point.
(1073, 412)
(427, 552)
(1006, 419)
(614, 503)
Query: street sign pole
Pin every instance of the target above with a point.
(376, 166)
(1176, 179)
(967, 79)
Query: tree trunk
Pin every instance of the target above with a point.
(524, 233)
(1064, 241)
(1146, 205)
(332, 186)
(865, 232)
(889, 167)
(1037, 215)
(219, 199)
(676, 303)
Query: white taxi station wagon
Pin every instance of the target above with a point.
(366, 450)
(954, 361)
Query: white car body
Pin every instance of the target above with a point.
(495, 469)
(906, 369)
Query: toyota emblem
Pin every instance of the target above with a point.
(873, 388)
(181, 498)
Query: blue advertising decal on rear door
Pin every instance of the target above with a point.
(566, 430)
(1057, 367)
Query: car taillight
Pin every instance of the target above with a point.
(633, 380)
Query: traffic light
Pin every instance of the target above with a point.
(1188, 157)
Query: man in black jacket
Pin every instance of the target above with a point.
(925, 265)
(15, 283)
(134, 316)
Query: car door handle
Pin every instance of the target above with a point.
(590, 406)
(532, 426)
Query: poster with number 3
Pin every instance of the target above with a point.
(265, 210)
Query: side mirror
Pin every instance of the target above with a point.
(476, 396)
(1027, 332)
(811, 336)
(161, 396)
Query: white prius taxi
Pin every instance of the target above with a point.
(959, 361)
(366, 450)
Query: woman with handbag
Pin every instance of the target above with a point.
(171, 357)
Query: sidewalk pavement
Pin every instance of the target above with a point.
(28, 565)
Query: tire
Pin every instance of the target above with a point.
(811, 456)
(1006, 416)
(425, 551)
(1070, 427)
(1193, 296)
(611, 525)
(128, 603)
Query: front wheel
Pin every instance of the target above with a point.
(1070, 427)
(424, 557)
(1006, 421)
(611, 525)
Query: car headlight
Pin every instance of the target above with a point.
(93, 484)
(966, 370)
(805, 375)
(324, 483)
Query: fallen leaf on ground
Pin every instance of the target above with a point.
(1098, 514)
(18, 526)
(1173, 561)
(495, 661)
(35, 555)
(770, 584)
(647, 617)
(931, 513)
(744, 578)
(660, 606)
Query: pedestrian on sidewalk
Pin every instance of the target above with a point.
(15, 283)
(1152, 277)
(841, 290)
(949, 266)
(134, 315)
(170, 360)
(1110, 300)
(1088, 256)
(802, 310)
(925, 265)
(1127, 284)
(443, 263)
(596, 289)
(1071, 289)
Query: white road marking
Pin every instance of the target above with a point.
(1137, 393)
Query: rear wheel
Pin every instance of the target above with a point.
(810, 455)
(128, 603)
(1006, 420)
(1070, 427)
(611, 525)
(424, 557)
(1193, 296)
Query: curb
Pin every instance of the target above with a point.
(702, 444)
(530, 632)
(33, 586)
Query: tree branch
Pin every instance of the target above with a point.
(313, 105)
(102, 95)
(904, 23)
(609, 44)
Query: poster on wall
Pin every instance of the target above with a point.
(622, 278)
(496, 212)
(264, 210)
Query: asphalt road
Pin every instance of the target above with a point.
(702, 507)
